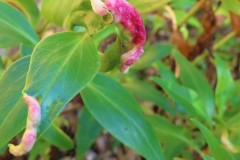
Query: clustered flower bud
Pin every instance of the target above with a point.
(125, 14)
(30, 134)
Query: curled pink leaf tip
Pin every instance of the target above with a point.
(130, 58)
(30, 134)
(99, 7)
(130, 19)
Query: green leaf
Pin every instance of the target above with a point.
(170, 134)
(13, 110)
(216, 148)
(56, 12)
(29, 8)
(151, 5)
(3, 149)
(165, 72)
(232, 5)
(58, 138)
(194, 79)
(1, 66)
(146, 91)
(103, 34)
(205, 157)
(25, 51)
(111, 57)
(117, 111)
(233, 121)
(188, 98)
(87, 131)
(183, 4)
(225, 85)
(152, 54)
(61, 65)
(235, 99)
(14, 28)
(40, 148)
(166, 131)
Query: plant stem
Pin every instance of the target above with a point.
(200, 57)
(224, 40)
(191, 12)
(215, 47)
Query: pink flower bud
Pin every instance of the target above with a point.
(131, 20)
(99, 7)
(30, 134)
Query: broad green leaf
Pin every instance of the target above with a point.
(194, 79)
(235, 99)
(87, 131)
(233, 121)
(152, 54)
(146, 91)
(58, 138)
(117, 111)
(40, 148)
(112, 57)
(225, 85)
(61, 65)
(14, 28)
(3, 149)
(167, 131)
(56, 12)
(1, 66)
(170, 134)
(188, 98)
(165, 72)
(25, 51)
(183, 4)
(149, 5)
(205, 157)
(13, 110)
(101, 35)
(29, 8)
(232, 5)
(216, 148)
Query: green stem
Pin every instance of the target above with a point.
(191, 12)
(224, 40)
(215, 47)
(199, 58)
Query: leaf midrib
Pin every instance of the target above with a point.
(60, 68)
(19, 32)
(125, 115)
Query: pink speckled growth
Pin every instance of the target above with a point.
(131, 20)
(128, 16)
(131, 57)
(34, 110)
(29, 139)
(30, 134)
